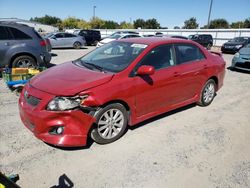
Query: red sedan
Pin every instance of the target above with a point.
(119, 84)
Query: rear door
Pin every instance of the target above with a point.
(158, 90)
(69, 39)
(193, 66)
(86, 35)
(6, 41)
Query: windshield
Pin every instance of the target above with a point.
(115, 33)
(191, 36)
(247, 46)
(238, 39)
(49, 35)
(115, 37)
(113, 57)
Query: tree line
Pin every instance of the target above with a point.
(98, 23)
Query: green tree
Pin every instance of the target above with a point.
(220, 23)
(176, 27)
(82, 24)
(126, 25)
(237, 25)
(70, 23)
(152, 24)
(110, 25)
(139, 23)
(97, 23)
(49, 20)
(247, 23)
(190, 24)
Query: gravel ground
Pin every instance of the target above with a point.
(189, 147)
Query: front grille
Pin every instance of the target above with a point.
(32, 100)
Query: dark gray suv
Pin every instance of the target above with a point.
(22, 46)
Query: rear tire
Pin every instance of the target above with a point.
(208, 93)
(77, 45)
(24, 61)
(111, 123)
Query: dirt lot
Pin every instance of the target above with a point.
(189, 147)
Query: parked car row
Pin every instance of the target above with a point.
(116, 37)
(22, 46)
(234, 45)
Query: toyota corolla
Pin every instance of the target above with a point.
(117, 85)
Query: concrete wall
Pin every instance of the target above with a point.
(220, 35)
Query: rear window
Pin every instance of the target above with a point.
(37, 34)
(19, 35)
(188, 53)
(4, 34)
(68, 35)
(96, 32)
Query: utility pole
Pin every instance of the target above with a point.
(209, 13)
(94, 7)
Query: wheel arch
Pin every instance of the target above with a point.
(122, 102)
(216, 81)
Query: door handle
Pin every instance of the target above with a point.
(6, 43)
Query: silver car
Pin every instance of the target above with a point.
(65, 40)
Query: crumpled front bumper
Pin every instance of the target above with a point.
(40, 121)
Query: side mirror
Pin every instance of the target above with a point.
(53, 37)
(145, 70)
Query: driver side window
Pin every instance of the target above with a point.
(59, 35)
(160, 57)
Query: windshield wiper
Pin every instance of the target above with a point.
(91, 66)
(95, 66)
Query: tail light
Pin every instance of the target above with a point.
(43, 43)
(47, 41)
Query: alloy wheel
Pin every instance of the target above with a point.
(110, 123)
(209, 93)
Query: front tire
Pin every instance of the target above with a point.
(111, 123)
(208, 93)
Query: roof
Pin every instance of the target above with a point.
(9, 23)
(155, 40)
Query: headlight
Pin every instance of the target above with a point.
(237, 55)
(65, 103)
(238, 46)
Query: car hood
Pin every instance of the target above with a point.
(233, 43)
(68, 79)
(245, 51)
